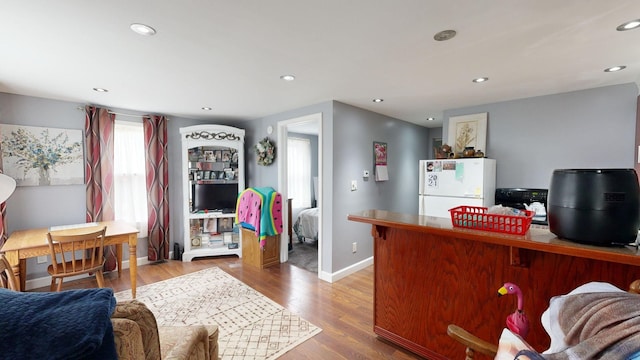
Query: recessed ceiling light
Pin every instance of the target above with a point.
(206, 108)
(615, 68)
(378, 100)
(480, 79)
(100, 90)
(142, 29)
(444, 35)
(287, 77)
(630, 25)
(430, 118)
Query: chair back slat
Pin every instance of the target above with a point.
(79, 253)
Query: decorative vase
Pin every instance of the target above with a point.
(468, 151)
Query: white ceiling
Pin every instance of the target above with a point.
(230, 54)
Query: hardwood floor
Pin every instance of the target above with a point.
(344, 309)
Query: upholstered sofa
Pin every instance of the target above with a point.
(137, 336)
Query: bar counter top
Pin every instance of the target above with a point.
(537, 238)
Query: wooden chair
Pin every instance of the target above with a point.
(80, 253)
(476, 345)
(7, 279)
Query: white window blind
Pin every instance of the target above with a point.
(129, 182)
(299, 171)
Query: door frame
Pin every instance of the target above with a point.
(282, 180)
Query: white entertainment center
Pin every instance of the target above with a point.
(213, 170)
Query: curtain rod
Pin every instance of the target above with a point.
(122, 114)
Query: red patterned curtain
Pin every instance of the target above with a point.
(157, 169)
(98, 130)
(3, 213)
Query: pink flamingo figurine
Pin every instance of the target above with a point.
(516, 322)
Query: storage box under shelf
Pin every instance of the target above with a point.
(253, 255)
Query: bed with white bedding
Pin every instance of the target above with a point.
(306, 225)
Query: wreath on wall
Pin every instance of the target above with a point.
(266, 152)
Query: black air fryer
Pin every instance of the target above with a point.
(594, 206)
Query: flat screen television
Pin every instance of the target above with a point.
(214, 197)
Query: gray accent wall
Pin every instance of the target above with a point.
(347, 137)
(354, 132)
(43, 206)
(531, 137)
(258, 176)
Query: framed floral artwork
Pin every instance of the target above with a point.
(466, 131)
(36, 156)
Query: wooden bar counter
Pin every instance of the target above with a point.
(429, 274)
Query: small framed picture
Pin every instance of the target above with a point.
(234, 157)
(210, 226)
(225, 224)
(209, 155)
(207, 175)
(218, 155)
(226, 156)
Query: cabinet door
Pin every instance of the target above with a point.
(271, 252)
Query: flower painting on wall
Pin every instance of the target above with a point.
(468, 131)
(36, 156)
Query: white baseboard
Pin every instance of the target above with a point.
(329, 277)
(346, 271)
(46, 281)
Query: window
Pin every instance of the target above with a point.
(129, 181)
(299, 171)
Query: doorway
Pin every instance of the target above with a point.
(306, 127)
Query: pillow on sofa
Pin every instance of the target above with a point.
(74, 324)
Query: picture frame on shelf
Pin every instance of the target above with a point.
(211, 226)
(209, 155)
(218, 154)
(226, 156)
(229, 174)
(225, 224)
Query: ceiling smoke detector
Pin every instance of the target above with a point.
(444, 35)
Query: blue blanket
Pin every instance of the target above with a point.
(74, 324)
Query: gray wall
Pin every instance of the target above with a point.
(434, 133)
(529, 138)
(44, 206)
(353, 146)
(268, 175)
(347, 151)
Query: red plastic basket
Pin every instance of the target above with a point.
(476, 217)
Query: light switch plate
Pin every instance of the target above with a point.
(354, 185)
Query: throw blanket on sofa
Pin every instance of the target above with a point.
(589, 325)
(260, 210)
(604, 325)
(74, 324)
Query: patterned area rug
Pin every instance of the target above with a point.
(251, 326)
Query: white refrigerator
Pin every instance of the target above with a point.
(447, 183)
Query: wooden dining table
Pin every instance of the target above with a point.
(24, 244)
